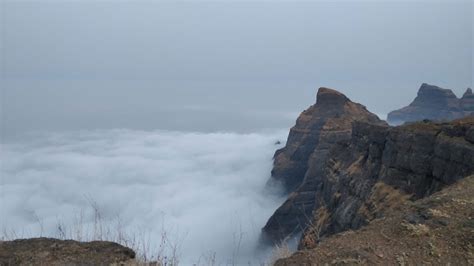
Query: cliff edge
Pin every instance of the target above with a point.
(297, 165)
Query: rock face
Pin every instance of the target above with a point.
(298, 164)
(434, 103)
(380, 167)
(48, 251)
(437, 230)
(369, 174)
(467, 101)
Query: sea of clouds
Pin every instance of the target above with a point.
(198, 193)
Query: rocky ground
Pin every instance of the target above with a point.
(437, 230)
(51, 252)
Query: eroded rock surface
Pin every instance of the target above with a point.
(299, 163)
(370, 174)
(380, 167)
(467, 101)
(48, 251)
(434, 103)
(436, 230)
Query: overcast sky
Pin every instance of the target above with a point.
(232, 65)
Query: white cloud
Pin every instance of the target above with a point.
(205, 187)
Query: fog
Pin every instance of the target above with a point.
(206, 191)
(163, 115)
(220, 65)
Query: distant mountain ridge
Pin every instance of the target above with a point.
(434, 103)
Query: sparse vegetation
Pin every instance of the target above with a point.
(167, 252)
(280, 251)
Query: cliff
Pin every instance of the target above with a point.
(380, 167)
(467, 101)
(373, 175)
(297, 165)
(436, 230)
(434, 103)
(350, 180)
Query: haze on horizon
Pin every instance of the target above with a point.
(220, 66)
(170, 86)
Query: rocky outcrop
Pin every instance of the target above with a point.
(380, 167)
(48, 251)
(299, 163)
(436, 230)
(467, 101)
(370, 174)
(434, 103)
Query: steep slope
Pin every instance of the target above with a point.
(433, 103)
(380, 167)
(467, 101)
(297, 164)
(437, 230)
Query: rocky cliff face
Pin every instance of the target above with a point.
(299, 163)
(436, 230)
(380, 167)
(467, 101)
(434, 103)
(350, 180)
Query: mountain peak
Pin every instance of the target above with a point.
(432, 91)
(434, 103)
(468, 93)
(327, 96)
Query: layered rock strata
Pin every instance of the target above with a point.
(297, 166)
(434, 103)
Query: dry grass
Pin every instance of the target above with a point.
(280, 251)
(166, 252)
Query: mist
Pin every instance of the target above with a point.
(163, 115)
(205, 191)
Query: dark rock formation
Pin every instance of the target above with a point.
(436, 230)
(370, 174)
(298, 164)
(48, 251)
(434, 103)
(467, 101)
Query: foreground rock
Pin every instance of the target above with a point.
(437, 230)
(299, 163)
(48, 251)
(434, 103)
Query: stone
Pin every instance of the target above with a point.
(372, 173)
(434, 103)
(49, 251)
(297, 165)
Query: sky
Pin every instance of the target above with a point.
(223, 65)
(163, 113)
